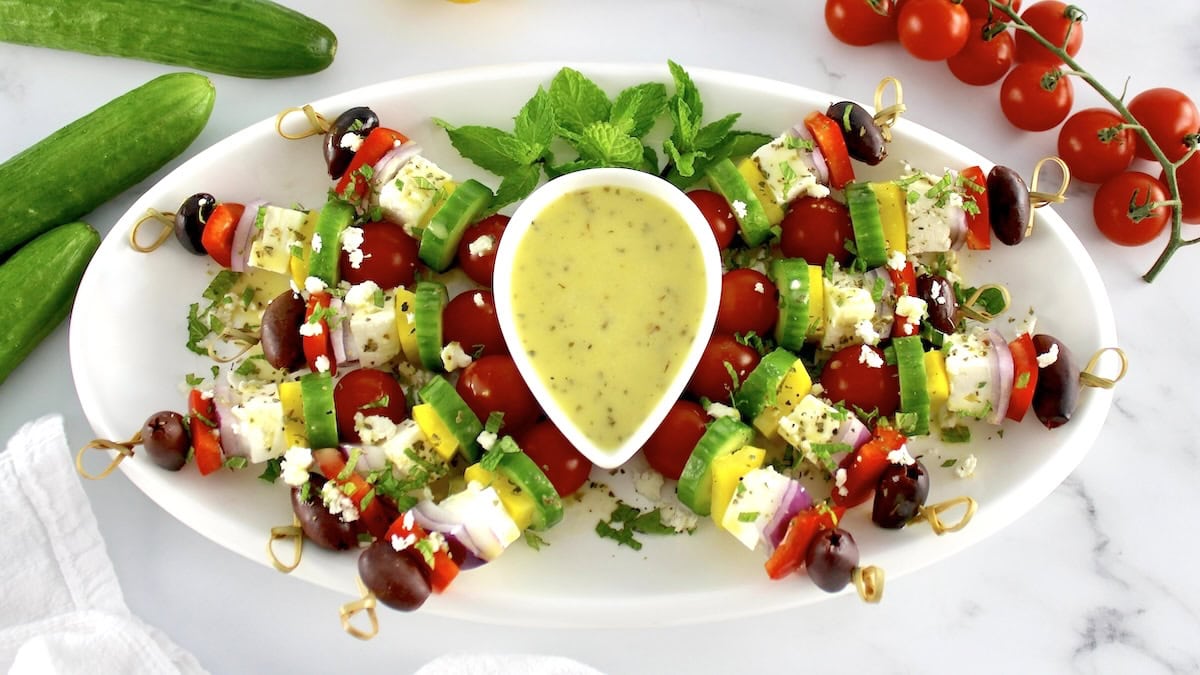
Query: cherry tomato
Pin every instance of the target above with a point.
(1091, 159)
(1111, 208)
(861, 22)
(1187, 179)
(481, 266)
(850, 380)
(1034, 99)
(1168, 115)
(814, 229)
(389, 257)
(749, 303)
(982, 9)
(933, 30)
(493, 384)
(864, 466)
(712, 379)
(668, 448)
(1051, 20)
(470, 319)
(555, 456)
(718, 214)
(986, 58)
(370, 392)
(219, 229)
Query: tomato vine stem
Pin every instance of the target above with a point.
(1169, 168)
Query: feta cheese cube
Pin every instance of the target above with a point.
(812, 421)
(787, 166)
(258, 423)
(968, 369)
(847, 302)
(754, 504)
(408, 198)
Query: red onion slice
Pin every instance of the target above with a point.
(852, 432)
(348, 347)
(795, 500)
(336, 332)
(1001, 369)
(389, 165)
(815, 159)
(885, 309)
(958, 228)
(243, 236)
(224, 398)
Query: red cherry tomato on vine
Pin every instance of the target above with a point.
(933, 30)
(1091, 159)
(481, 266)
(1052, 21)
(493, 384)
(749, 302)
(980, 9)
(556, 457)
(716, 211)
(814, 229)
(1169, 115)
(389, 257)
(370, 392)
(669, 447)
(1187, 179)
(1033, 98)
(470, 319)
(850, 379)
(1122, 193)
(712, 379)
(984, 59)
(861, 22)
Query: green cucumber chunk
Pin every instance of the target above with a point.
(790, 276)
(724, 436)
(868, 228)
(524, 473)
(335, 217)
(430, 300)
(752, 219)
(914, 395)
(762, 384)
(439, 240)
(320, 420)
(457, 415)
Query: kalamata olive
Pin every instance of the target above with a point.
(190, 220)
(831, 559)
(280, 333)
(320, 526)
(938, 295)
(165, 437)
(864, 140)
(1008, 204)
(902, 489)
(358, 121)
(399, 579)
(1057, 391)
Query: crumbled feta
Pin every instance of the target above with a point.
(795, 285)
(1049, 358)
(374, 429)
(316, 242)
(314, 285)
(966, 468)
(206, 394)
(351, 141)
(839, 482)
(900, 456)
(483, 244)
(356, 258)
(438, 540)
(338, 503)
(896, 260)
(478, 300)
(817, 389)
(937, 292)
(409, 519)
(361, 296)
(352, 239)
(487, 439)
(718, 410)
(311, 329)
(913, 309)
(296, 462)
(649, 484)
(400, 543)
(866, 332)
(739, 208)
(321, 363)
(870, 357)
(678, 519)
(453, 357)
(812, 420)
(759, 288)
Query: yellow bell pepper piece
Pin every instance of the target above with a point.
(795, 385)
(767, 422)
(758, 184)
(405, 327)
(816, 301)
(294, 431)
(440, 438)
(936, 381)
(518, 504)
(893, 215)
(727, 472)
(298, 265)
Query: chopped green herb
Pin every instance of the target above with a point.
(247, 296)
(623, 536)
(425, 548)
(1022, 381)
(193, 381)
(381, 402)
(236, 463)
(220, 285)
(830, 266)
(495, 420)
(272, 471)
(378, 298)
(747, 516)
(949, 463)
(351, 463)
(877, 289)
(534, 541)
(956, 434)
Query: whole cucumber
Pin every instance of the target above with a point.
(247, 38)
(38, 284)
(91, 160)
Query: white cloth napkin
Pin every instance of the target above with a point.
(61, 609)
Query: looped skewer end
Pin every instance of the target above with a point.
(167, 220)
(1088, 376)
(885, 117)
(1037, 198)
(317, 124)
(932, 514)
(292, 532)
(366, 603)
(969, 309)
(868, 581)
(123, 450)
(248, 340)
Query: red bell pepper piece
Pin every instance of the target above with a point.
(219, 230)
(444, 569)
(320, 344)
(334, 468)
(354, 184)
(1025, 376)
(832, 144)
(789, 555)
(979, 227)
(905, 282)
(206, 437)
(864, 466)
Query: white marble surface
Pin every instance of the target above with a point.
(1098, 578)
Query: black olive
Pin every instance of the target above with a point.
(938, 295)
(864, 139)
(190, 220)
(831, 559)
(399, 579)
(1008, 204)
(902, 489)
(280, 333)
(320, 526)
(1057, 391)
(165, 437)
(358, 121)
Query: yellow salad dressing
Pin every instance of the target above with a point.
(607, 295)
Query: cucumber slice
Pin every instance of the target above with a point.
(868, 229)
(751, 217)
(427, 320)
(914, 392)
(323, 262)
(762, 384)
(320, 420)
(524, 473)
(790, 276)
(456, 415)
(722, 437)
(439, 240)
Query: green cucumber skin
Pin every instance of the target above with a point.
(523, 472)
(761, 385)
(93, 159)
(427, 315)
(723, 436)
(439, 241)
(864, 211)
(457, 415)
(728, 181)
(38, 284)
(914, 398)
(791, 330)
(320, 418)
(335, 217)
(246, 38)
